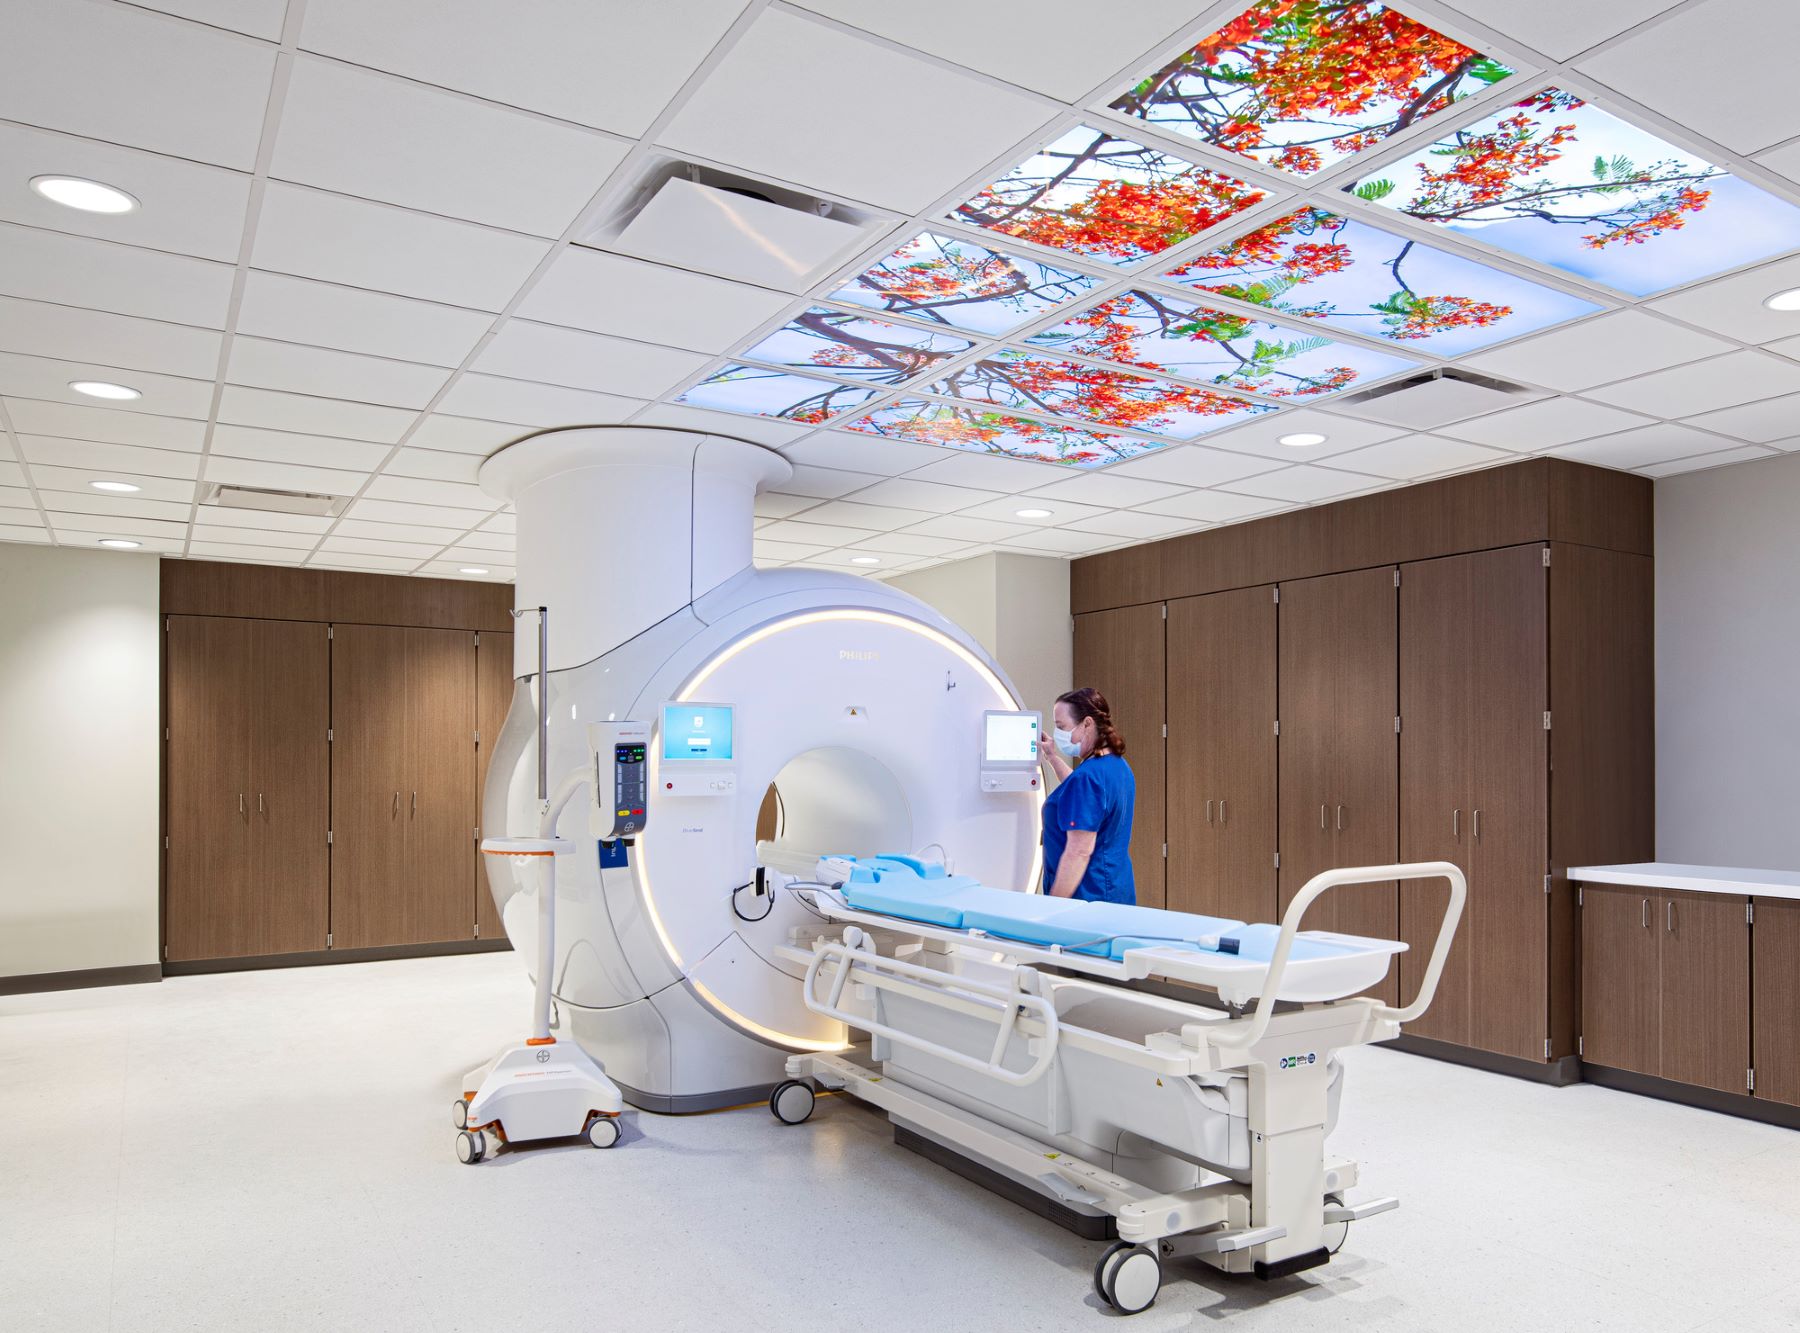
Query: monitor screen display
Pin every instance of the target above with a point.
(696, 731)
(1010, 738)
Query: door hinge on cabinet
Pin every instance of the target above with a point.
(1278, 860)
(1165, 851)
(328, 837)
(478, 930)
(1165, 731)
(166, 735)
(1277, 591)
(165, 953)
(1546, 719)
(478, 638)
(1546, 557)
(1396, 578)
(1749, 914)
(478, 738)
(165, 842)
(1546, 1048)
(1396, 724)
(327, 939)
(1749, 1080)
(328, 735)
(1581, 1045)
(331, 633)
(1278, 726)
(1165, 610)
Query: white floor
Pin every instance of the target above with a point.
(272, 1150)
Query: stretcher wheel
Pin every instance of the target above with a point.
(603, 1131)
(1333, 1234)
(1133, 1280)
(792, 1102)
(1103, 1269)
(470, 1147)
(459, 1113)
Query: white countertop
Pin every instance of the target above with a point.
(1697, 879)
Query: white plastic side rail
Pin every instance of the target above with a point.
(1008, 1002)
(1290, 923)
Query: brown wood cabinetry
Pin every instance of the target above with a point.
(247, 788)
(1120, 653)
(1221, 792)
(493, 696)
(1666, 984)
(1775, 999)
(1339, 754)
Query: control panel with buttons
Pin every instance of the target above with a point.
(621, 782)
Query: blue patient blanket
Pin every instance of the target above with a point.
(917, 890)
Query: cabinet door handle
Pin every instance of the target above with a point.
(1221, 809)
(1478, 826)
(1456, 823)
(1669, 915)
(1340, 818)
(1321, 816)
(415, 803)
(240, 803)
(1644, 914)
(396, 802)
(1209, 812)
(259, 804)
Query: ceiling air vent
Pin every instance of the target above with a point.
(275, 502)
(709, 221)
(1432, 399)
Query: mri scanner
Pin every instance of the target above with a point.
(821, 887)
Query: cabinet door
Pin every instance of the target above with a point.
(1705, 990)
(493, 696)
(440, 786)
(1436, 643)
(1120, 653)
(368, 775)
(1307, 690)
(209, 897)
(1222, 734)
(290, 771)
(1621, 1008)
(1775, 1004)
(1507, 682)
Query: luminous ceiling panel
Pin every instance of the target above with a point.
(1107, 198)
(962, 283)
(756, 391)
(1302, 85)
(1157, 332)
(983, 431)
(1556, 180)
(856, 347)
(1349, 275)
(1023, 382)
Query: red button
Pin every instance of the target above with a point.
(669, 785)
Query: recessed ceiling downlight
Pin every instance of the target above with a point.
(472, 569)
(121, 486)
(1300, 439)
(86, 195)
(105, 389)
(1788, 300)
(1033, 513)
(120, 544)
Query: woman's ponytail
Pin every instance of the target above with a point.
(1089, 702)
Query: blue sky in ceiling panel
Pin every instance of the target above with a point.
(757, 391)
(855, 347)
(962, 283)
(983, 430)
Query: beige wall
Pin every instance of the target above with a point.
(1728, 666)
(79, 662)
(1015, 606)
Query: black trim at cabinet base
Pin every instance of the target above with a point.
(1085, 1225)
(1558, 1073)
(135, 974)
(1740, 1104)
(380, 954)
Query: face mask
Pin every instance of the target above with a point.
(1066, 743)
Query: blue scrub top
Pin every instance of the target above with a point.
(1098, 796)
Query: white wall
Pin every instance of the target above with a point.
(1015, 606)
(1728, 666)
(79, 798)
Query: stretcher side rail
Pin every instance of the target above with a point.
(1004, 1004)
(1318, 886)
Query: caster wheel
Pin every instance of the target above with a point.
(1103, 1269)
(459, 1113)
(603, 1131)
(1133, 1280)
(792, 1102)
(470, 1147)
(1333, 1235)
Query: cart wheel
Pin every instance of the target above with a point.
(603, 1131)
(1103, 1269)
(1333, 1234)
(792, 1102)
(459, 1113)
(470, 1147)
(1135, 1279)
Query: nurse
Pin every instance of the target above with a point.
(1087, 816)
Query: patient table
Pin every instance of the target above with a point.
(1042, 1040)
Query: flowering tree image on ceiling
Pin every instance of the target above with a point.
(1111, 397)
(854, 347)
(1299, 84)
(988, 431)
(759, 391)
(1555, 179)
(1156, 332)
(946, 280)
(1094, 194)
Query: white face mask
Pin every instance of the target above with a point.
(1066, 743)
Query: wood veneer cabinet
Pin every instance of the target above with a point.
(493, 696)
(247, 787)
(1120, 653)
(1775, 999)
(1221, 756)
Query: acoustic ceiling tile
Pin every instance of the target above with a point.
(1702, 386)
(1106, 489)
(1644, 446)
(464, 435)
(925, 496)
(280, 446)
(1417, 456)
(283, 476)
(1598, 351)
(1193, 465)
(1733, 305)
(758, 430)
(298, 310)
(46, 378)
(217, 516)
(494, 398)
(76, 422)
(277, 538)
(1133, 524)
(824, 483)
(45, 329)
(434, 466)
(961, 527)
(1304, 484)
(40, 265)
(1058, 541)
(242, 552)
(109, 459)
(1543, 425)
(1762, 422)
(401, 532)
(1213, 506)
(416, 551)
(244, 406)
(812, 534)
(605, 293)
(394, 511)
(549, 354)
(1748, 453)
(327, 373)
(853, 451)
(49, 477)
(853, 514)
(420, 490)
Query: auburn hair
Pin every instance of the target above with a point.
(1088, 702)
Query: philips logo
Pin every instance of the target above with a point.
(858, 655)
(1296, 1061)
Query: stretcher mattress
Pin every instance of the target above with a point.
(915, 890)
